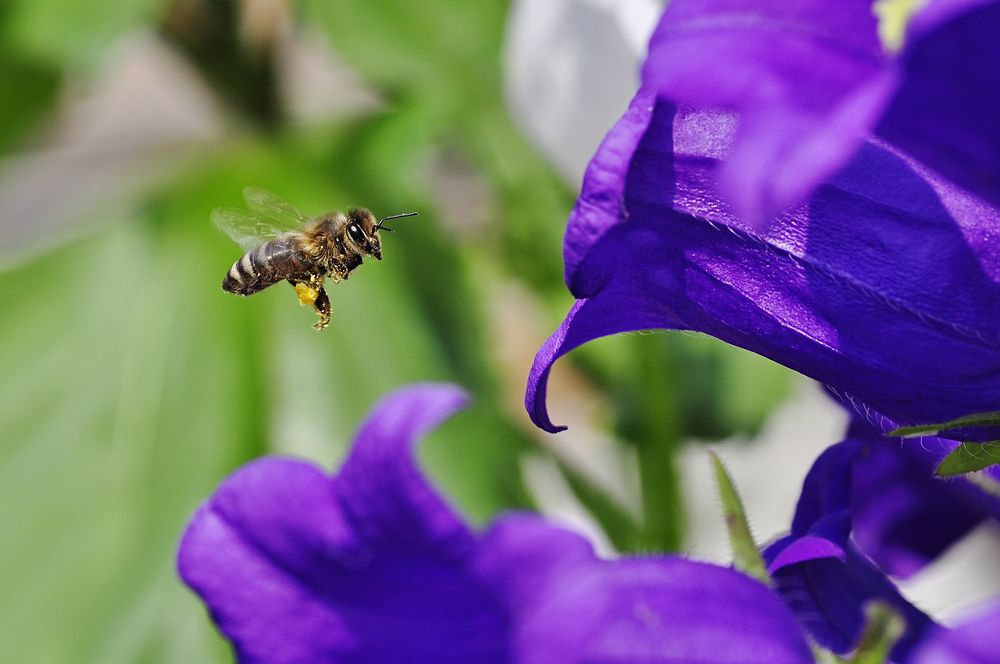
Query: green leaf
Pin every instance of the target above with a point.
(36, 84)
(622, 530)
(435, 48)
(131, 395)
(73, 34)
(883, 628)
(968, 458)
(29, 86)
(975, 420)
(725, 391)
(474, 460)
(746, 555)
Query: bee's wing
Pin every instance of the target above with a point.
(274, 209)
(245, 228)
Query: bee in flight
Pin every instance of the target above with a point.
(282, 243)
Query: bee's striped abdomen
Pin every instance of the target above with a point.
(253, 271)
(281, 258)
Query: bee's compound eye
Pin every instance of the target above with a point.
(355, 232)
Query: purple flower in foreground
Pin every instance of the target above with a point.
(372, 565)
(868, 499)
(811, 81)
(903, 517)
(884, 286)
(820, 571)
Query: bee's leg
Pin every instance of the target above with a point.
(338, 272)
(322, 305)
(307, 291)
(312, 293)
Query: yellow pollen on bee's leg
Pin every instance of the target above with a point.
(307, 294)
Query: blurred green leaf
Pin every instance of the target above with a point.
(533, 203)
(724, 390)
(75, 35)
(669, 388)
(642, 380)
(437, 47)
(122, 415)
(968, 458)
(28, 83)
(622, 530)
(29, 91)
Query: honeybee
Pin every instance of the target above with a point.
(282, 243)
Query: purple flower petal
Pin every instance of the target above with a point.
(243, 553)
(811, 81)
(381, 488)
(600, 204)
(299, 567)
(822, 523)
(886, 286)
(820, 572)
(904, 517)
(795, 550)
(824, 507)
(807, 77)
(883, 493)
(829, 596)
(946, 107)
(972, 642)
(372, 565)
(570, 607)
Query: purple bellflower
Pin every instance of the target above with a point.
(811, 81)
(885, 283)
(822, 574)
(903, 517)
(373, 565)
(868, 507)
(885, 286)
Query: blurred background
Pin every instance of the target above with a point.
(130, 384)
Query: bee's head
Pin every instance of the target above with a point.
(362, 232)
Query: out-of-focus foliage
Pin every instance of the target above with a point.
(27, 81)
(75, 35)
(138, 384)
(131, 384)
(442, 57)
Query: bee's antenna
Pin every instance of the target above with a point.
(392, 216)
